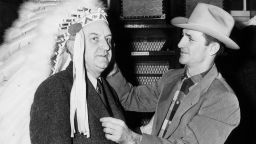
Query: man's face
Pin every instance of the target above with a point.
(193, 51)
(98, 51)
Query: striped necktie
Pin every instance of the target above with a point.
(101, 91)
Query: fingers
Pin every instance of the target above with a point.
(112, 125)
(112, 138)
(112, 134)
(110, 128)
(117, 131)
(112, 120)
(113, 128)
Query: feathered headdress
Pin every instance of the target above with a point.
(33, 49)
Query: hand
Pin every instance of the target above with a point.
(116, 130)
(114, 70)
(147, 129)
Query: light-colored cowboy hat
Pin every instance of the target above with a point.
(210, 20)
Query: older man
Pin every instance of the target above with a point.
(192, 105)
(68, 105)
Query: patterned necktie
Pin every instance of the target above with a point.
(101, 93)
(99, 87)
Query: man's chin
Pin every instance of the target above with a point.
(102, 67)
(182, 61)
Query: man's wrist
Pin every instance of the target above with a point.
(135, 138)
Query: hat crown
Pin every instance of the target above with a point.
(213, 18)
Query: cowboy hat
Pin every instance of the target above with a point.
(210, 20)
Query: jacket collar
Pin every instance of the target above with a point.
(190, 100)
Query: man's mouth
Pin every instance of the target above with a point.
(183, 52)
(103, 56)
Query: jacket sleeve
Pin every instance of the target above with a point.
(212, 123)
(141, 98)
(45, 123)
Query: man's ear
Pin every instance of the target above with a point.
(214, 48)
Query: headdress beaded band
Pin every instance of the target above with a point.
(71, 26)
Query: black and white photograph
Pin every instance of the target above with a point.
(127, 72)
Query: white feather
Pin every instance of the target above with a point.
(25, 61)
(9, 48)
(10, 66)
(26, 16)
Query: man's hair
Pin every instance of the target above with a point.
(209, 39)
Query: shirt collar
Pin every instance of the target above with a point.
(196, 78)
(92, 79)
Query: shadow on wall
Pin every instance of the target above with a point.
(239, 69)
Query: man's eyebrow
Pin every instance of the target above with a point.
(93, 33)
(109, 35)
(188, 35)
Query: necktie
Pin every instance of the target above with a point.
(103, 96)
(101, 92)
(187, 83)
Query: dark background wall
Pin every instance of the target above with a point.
(8, 10)
(8, 13)
(239, 69)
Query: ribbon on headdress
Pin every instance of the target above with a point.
(78, 102)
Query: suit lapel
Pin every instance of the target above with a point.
(192, 98)
(95, 104)
(115, 106)
(164, 103)
(187, 102)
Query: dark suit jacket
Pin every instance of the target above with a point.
(206, 115)
(50, 112)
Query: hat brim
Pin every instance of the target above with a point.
(182, 22)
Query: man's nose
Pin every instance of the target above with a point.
(105, 45)
(181, 42)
